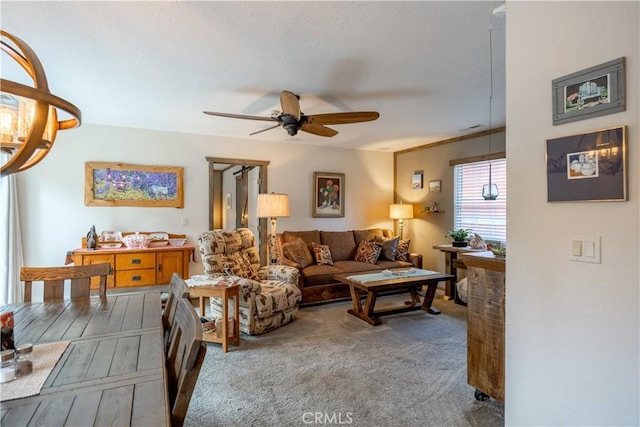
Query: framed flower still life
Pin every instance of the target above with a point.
(328, 199)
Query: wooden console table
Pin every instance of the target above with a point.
(137, 267)
(452, 263)
(485, 324)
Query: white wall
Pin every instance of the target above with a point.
(573, 330)
(51, 195)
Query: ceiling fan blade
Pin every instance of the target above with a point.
(264, 130)
(318, 130)
(342, 118)
(241, 116)
(290, 104)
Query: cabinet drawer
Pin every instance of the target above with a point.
(97, 259)
(135, 261)
(141, 277)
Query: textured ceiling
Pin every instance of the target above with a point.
(157, 65)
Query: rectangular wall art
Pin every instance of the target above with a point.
(587, 167)
(435, 186)
(328, 190)
(416, 180)
(593, 92)
(122, 184)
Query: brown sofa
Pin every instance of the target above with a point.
(316, 281)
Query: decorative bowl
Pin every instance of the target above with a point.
(156, 243)
(110, 245)
(499, 252)
(177, 242)
(159, 235)
(136, 241)
(110, 236)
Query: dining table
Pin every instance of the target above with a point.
(111, 370)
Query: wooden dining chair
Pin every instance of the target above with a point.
(54, 279)
(177, 289)
(184, 359)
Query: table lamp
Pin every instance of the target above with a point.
(401, 212)
(274, 206)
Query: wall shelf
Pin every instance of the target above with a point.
(429, 211)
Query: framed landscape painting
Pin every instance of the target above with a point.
(328, 190)
(587, 167)
(123, 184)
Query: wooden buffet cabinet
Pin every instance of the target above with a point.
(485, 324)
(137, 267)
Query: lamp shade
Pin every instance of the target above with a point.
(271, 205)
(401, 211)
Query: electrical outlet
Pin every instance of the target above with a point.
(185, 221)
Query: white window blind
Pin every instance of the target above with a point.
(488, 218)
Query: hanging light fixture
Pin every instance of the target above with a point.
(490, 190)
(28, 115)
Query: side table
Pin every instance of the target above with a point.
(452, 263)
(210, 289)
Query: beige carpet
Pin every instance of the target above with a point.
(329, 368)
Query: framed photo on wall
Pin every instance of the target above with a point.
(328, 190)
(587, 167)
(593, 92)
(435, 186)
(416, 180)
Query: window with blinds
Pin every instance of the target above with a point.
(488, 218)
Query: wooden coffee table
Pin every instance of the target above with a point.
(394, 282)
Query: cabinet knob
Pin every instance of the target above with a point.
(136, 278)
(159, 268)
(136, 261)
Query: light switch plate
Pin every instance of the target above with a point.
(585, 249)
(577, 248)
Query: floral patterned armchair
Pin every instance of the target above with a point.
(269, 295)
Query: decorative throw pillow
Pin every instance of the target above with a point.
(403, 250)
(323, 254)
(298, 251)
(368, 252)
(477, 242)
(389, 247)
(238, 264)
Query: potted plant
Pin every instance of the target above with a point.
(459, 237)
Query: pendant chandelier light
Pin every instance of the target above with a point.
(490, 190)
(28, 115)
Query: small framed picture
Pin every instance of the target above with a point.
(416, 180)
(328, 200)
(587, 167)
(435, 186)
(593, 92)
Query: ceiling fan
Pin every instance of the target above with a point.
(293, 120)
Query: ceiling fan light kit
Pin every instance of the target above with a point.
(292, 119)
